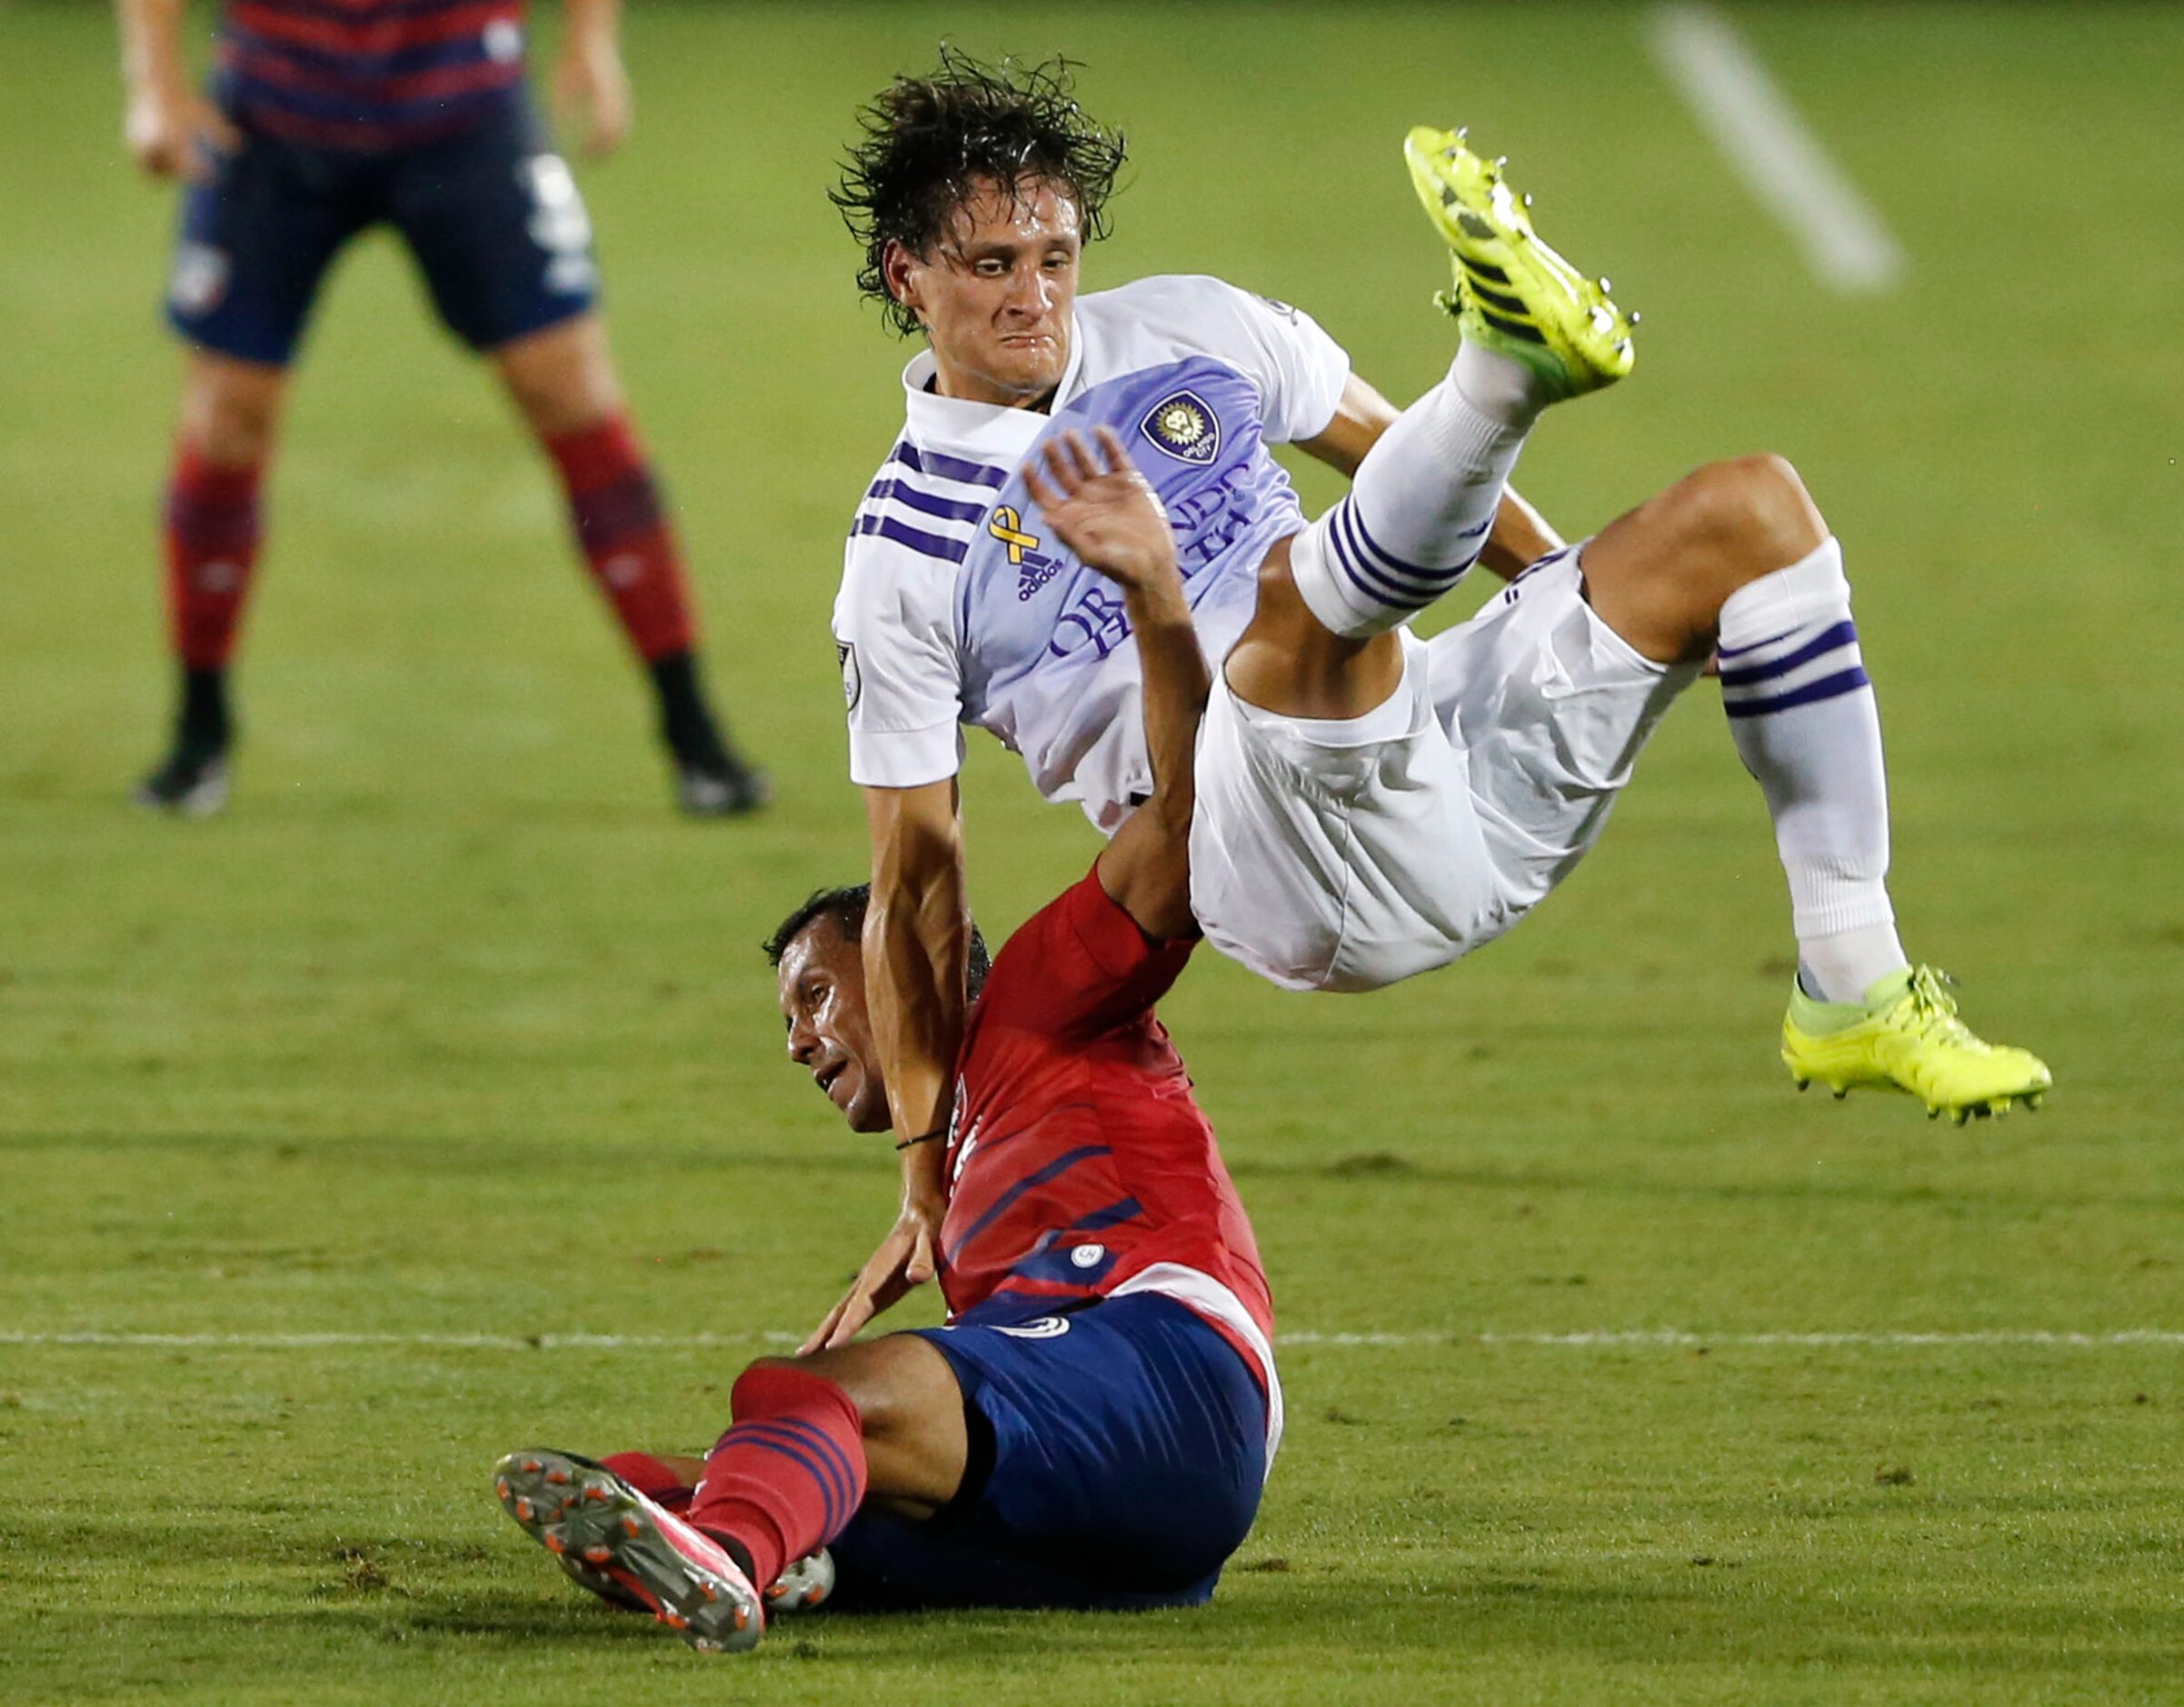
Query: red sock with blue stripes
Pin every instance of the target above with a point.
(212, 545)
(789, 1477)
(622, 526)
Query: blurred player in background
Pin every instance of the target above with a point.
(1094, 1426)
(1371, 805)
(323, 119)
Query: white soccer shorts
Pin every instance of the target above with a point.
(1346, 856)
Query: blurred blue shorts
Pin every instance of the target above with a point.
(492, 214)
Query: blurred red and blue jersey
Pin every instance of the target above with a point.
(1079, 1164)
(368, 74)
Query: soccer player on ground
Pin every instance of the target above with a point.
(1094, 1426)
(1371, 805)
(325, 119)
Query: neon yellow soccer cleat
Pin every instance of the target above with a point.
(1513, 294)
(1906, 1036)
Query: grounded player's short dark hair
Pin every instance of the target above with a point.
(846, 906)
(928, 141)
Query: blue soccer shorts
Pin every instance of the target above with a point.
(491, 216)
(1117, 1455)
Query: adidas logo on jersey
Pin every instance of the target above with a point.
(1036, 574)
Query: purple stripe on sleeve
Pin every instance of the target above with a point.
(946, 509)
(949, 467)
(916, 539)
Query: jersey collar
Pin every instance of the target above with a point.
(993, 427)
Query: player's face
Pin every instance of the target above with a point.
(821, 980)
(995, 295)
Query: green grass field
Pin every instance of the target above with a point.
(450, 1028)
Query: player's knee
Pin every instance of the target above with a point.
(561, 379)
(1749, 516)
(232, 420)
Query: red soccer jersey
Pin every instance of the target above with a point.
(1079, 1164)
(368, 74)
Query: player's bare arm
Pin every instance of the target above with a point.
(590, 89)
(1520, 534)
(1101, 507)
(917, 934)
(1520, 537)
(165, 123)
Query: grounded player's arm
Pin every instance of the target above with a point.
(917, 946)
(1520, 534)
(590, 89)
(165, 119)
(1101, 507)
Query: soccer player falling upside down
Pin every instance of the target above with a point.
(322, 122)
(1371, 805)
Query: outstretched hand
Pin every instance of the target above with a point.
(903, 1262)
(1103, 509)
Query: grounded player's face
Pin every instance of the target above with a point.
(995, 295)
(821, 980)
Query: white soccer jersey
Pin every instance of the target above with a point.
(955, 608)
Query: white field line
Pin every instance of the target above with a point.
(1847, 244)
(1631, 1338)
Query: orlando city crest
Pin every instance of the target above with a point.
(853, 679)
(1181, 425)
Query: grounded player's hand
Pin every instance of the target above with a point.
(592, 96)
(175, 133)
(1103, 509)
(903, 1262)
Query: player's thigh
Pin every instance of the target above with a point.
(256, 239)
(498, 228)
(231, 409)
(562, 378)
(1658, 575)
(1551, 707)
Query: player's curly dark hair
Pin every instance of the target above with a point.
(927, 141)
(846, 906)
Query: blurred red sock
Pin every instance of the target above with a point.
(212, 546)
(623, 529)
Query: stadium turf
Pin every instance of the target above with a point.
(450, 1040)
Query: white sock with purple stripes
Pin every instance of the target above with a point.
(1416, 516)
(1801, 710)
